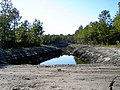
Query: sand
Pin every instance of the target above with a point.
(61, 77)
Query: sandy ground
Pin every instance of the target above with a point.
(65, 77)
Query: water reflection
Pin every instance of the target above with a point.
(65, 59)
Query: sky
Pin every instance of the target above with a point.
(64, 16)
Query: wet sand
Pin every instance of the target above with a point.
(62, 77)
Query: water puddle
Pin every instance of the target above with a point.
(64, 59)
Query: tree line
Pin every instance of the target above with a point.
(57, 39)
(14, 33)
(106, 31)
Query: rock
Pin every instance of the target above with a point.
(92, 54)
(3, 57)
(31, 55)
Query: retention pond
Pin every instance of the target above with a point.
(64, 59)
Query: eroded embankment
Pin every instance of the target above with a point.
(93, 54)
(31, 55)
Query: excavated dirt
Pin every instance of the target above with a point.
(103, 73)
(63, 77)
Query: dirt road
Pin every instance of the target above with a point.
(65, 77)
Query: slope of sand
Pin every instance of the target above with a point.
(65, 77)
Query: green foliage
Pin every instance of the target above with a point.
(36, 31)
(4, 20)
(80, 61)
(28, 34)
(105, 17)
(14, 33)
(103, 32)
(116, 22)
(55, 39)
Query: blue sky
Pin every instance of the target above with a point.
(64, 16)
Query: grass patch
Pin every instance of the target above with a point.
(80, 61)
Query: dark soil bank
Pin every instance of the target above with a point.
(32, 55)
(36, 55)
(92, 54)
